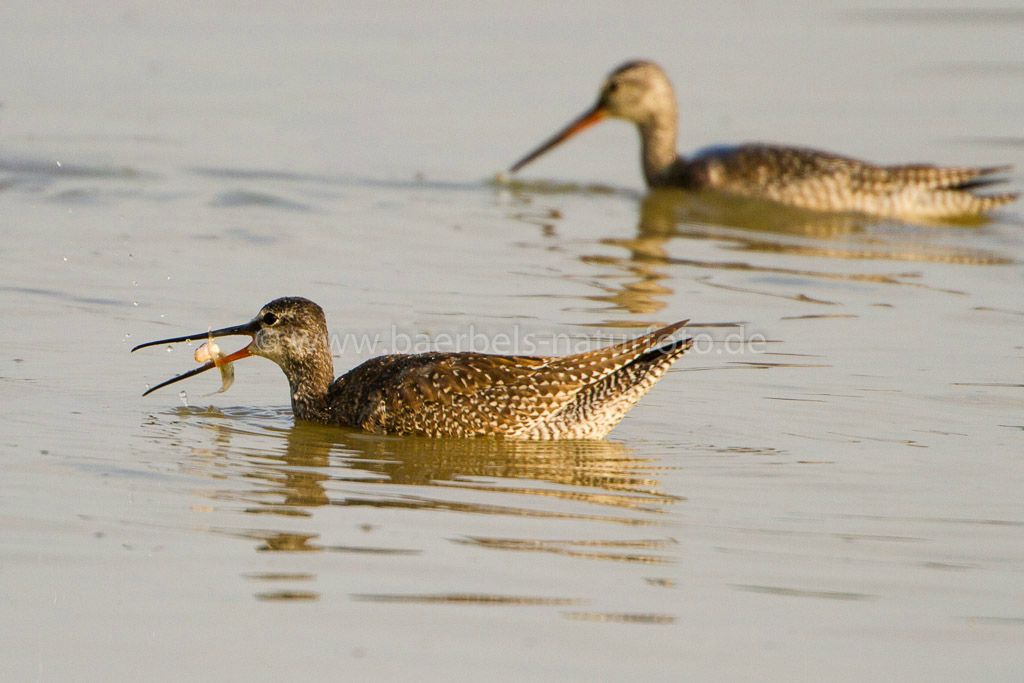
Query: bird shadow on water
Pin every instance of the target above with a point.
(753, 229)
(750, 225)
(286, 471)
(306, 488)
(311, 492)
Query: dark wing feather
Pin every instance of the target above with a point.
(465, 394)
(823, 181)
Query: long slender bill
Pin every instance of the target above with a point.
(237, 355)
(582, 122)
(249, 329)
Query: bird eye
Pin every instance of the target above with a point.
(612, 87)
(269, 319)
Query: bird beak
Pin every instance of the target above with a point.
(250, 328)
(583, 121)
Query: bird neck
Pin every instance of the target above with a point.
(309, 380)
(658, 144)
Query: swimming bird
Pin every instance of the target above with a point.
(640, 91)
(582, 396)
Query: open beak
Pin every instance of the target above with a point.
(250, 328)
(582, 122)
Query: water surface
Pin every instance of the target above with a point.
(829, 486)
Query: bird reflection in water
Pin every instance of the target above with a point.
(321, 466)
(307, 489)
(643, 281)
(752, 226)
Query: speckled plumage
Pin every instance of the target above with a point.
(582, 396)
(641, 92)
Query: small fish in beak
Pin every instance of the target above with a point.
(210, 352)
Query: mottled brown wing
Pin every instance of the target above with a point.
(771, 164)
(467, 394)
(823, 181)
(930, 176)
(437, 394)
(592, 366)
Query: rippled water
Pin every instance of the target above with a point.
(828, 486)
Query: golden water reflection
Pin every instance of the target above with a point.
(283, 477)
(595, 549)
(758, 227)
(753, 226)
(314, 466)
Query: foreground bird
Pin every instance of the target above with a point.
(582, 396)
(641, 92)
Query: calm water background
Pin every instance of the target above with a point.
(842, 502)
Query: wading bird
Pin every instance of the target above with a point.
(641, 92)
(582, 396)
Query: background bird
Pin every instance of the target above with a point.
(641, 92)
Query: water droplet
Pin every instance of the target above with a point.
(65, 259)
(184, 398)
(169, 348)
(135, 303)
(60, 165)
(135, 283)
(168, 277)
